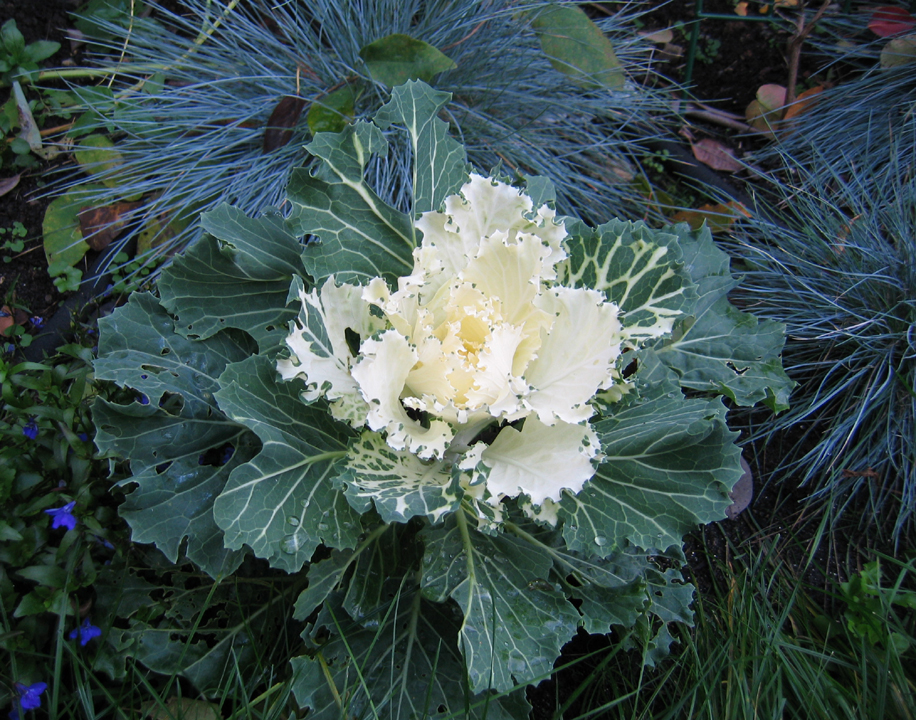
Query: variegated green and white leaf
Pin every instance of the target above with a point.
(171, 438)
(251, 261)
(720, 348)
(515, 622)
(361, 237)
(439, 161)
(399, 484)
(404, 665)
(640, 269)
(282, 504)
(669, 465)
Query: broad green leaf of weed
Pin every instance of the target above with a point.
(397, 58)
(576, 47)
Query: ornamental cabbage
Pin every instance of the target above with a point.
(480, 334)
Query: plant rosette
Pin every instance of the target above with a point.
(477, 410)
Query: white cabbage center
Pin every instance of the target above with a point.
(478, 334)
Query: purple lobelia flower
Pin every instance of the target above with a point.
(31, 429)
(63, 517)
(30, 695)
(85, 632)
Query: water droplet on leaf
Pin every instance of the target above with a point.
(290, 544)
(600, 540)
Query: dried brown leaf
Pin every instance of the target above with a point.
(716, 155)
(804, 102)
(7, 184)
(101, 225)
(282, 120)
(719, 217)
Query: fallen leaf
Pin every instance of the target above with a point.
(741, 9)
(97, 156)
(888, 21)
(899, 51)
(7, 184)
(716, 155)
(742, 493)
(100, 225)
(577, 47)
(771, 96)
(659, 37)
(803, 102)
(282, 120)
(766, 111)
(719, 217)
(6, 319)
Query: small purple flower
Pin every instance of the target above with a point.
(30, 695)
(31, 429)
(63, 517)
(85, 632)
(11, 348)
(37, 322)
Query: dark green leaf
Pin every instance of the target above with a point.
(576, 46)
(332, 112)
(669, 464)
(720, 348)
(395, 59)
(360, 236)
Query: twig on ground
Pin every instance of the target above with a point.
(795, 46)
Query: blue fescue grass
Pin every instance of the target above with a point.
(836, 261)
(196, 140)
(763, 646)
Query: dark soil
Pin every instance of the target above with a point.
(734, 57)
(24, 281)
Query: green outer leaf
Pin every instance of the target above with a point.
(440, 165)
(576, 47)
(282, 504)
(639, 269)
(240, 280)
(361, 237)
(399, 484)
(669, 465)
(177, 503)
(138, 348)
(397, 58)
(407, 659)
(612, 589)
(719, 348)
(514, 621)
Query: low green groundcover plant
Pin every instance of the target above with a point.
(476, 426)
